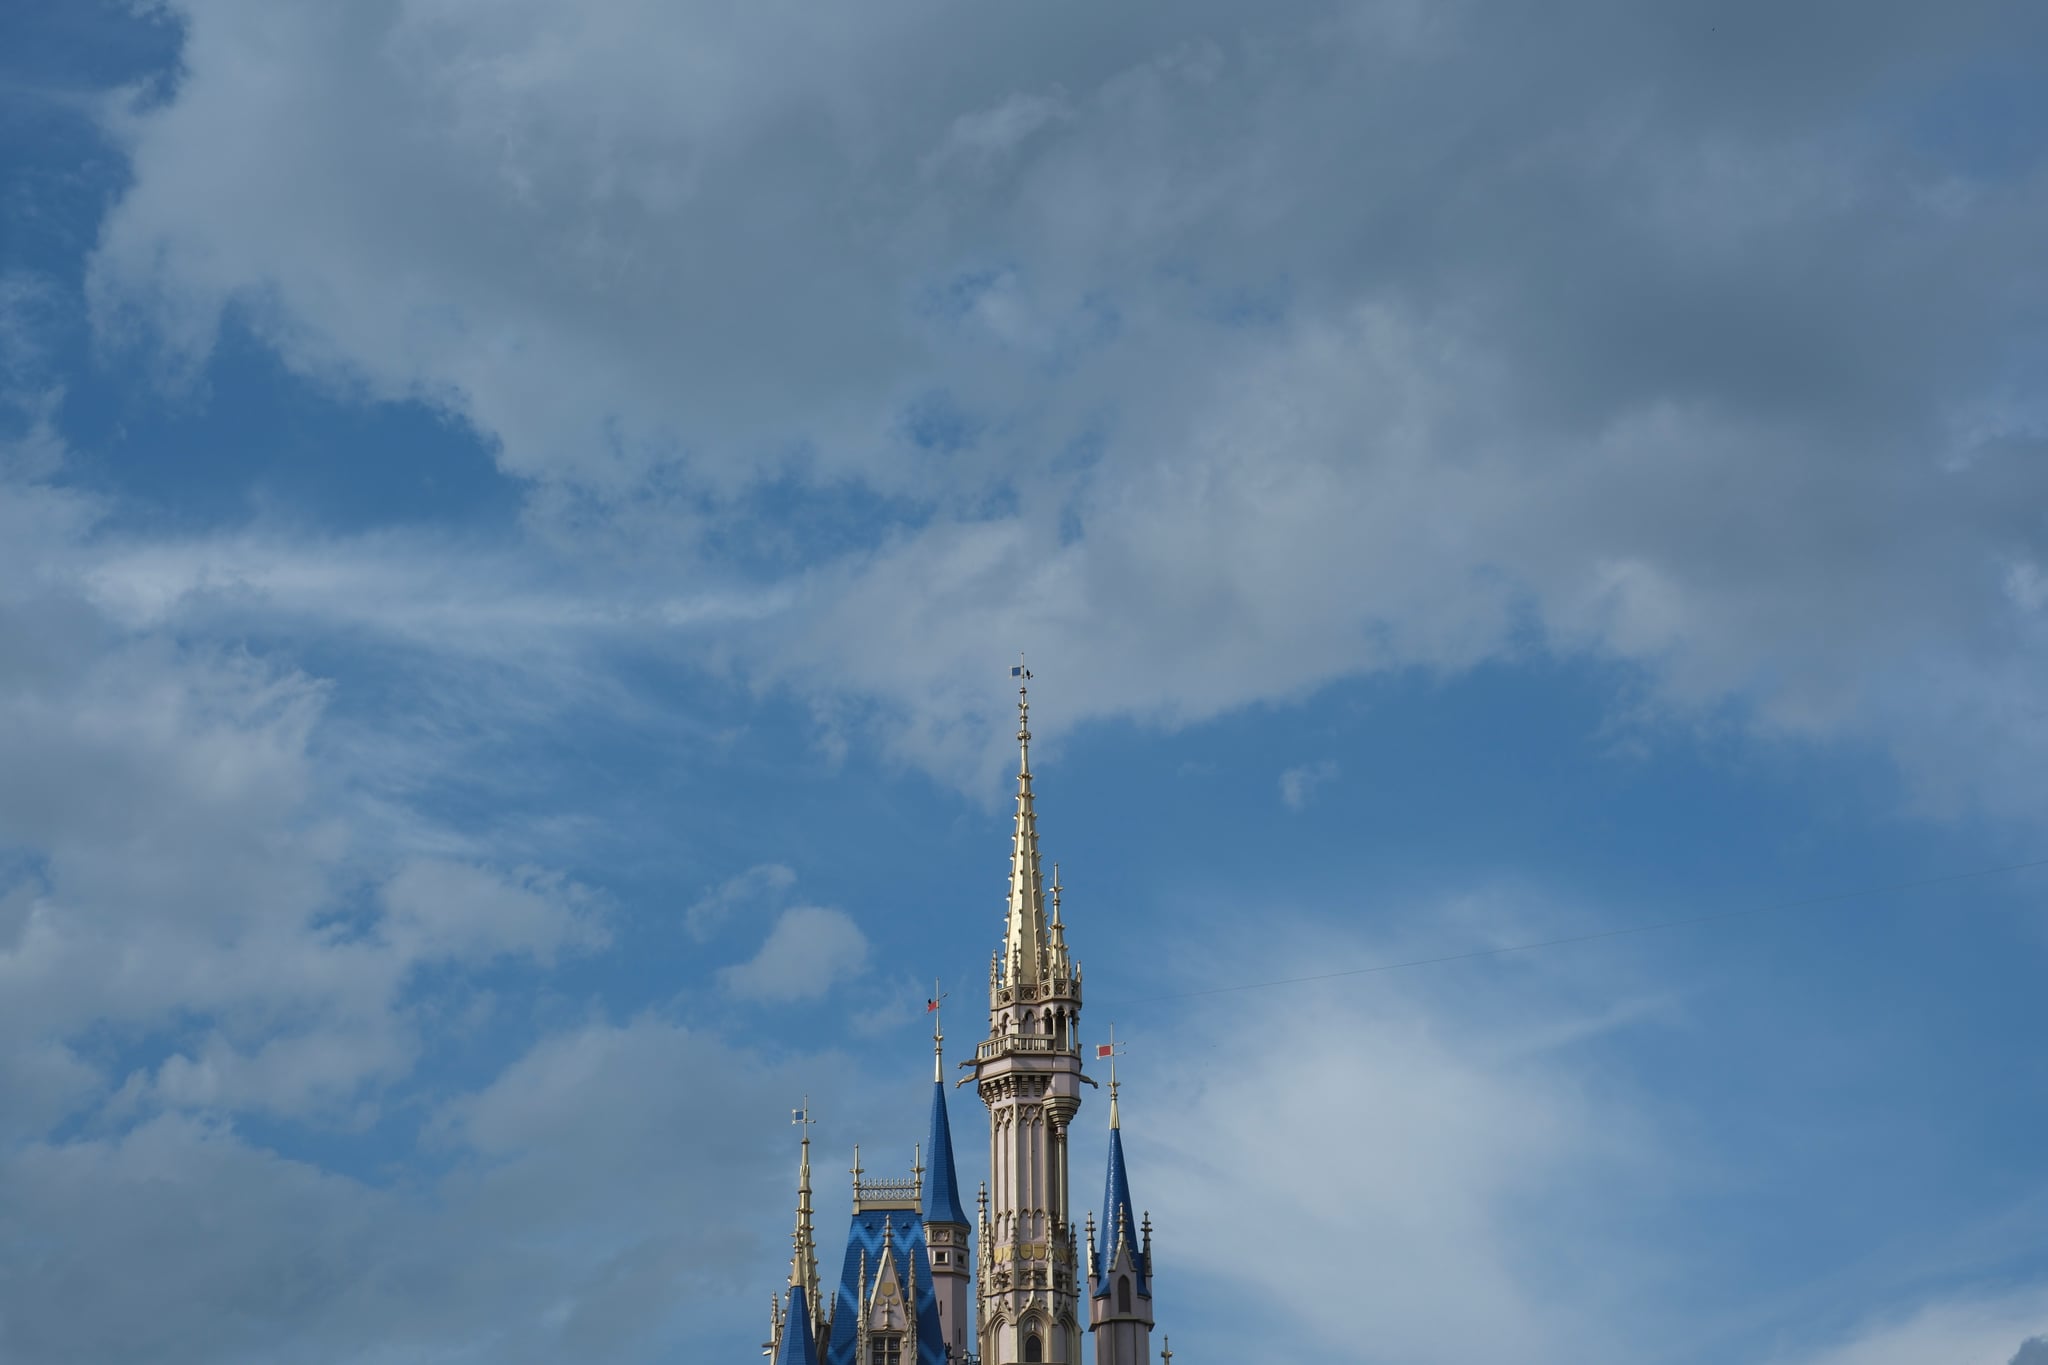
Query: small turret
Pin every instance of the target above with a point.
(946, 1232)
(796, 1345)
(792, 1341)
(1120, 1266)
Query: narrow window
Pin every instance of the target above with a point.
(1123, 1294)
(1034, 1349)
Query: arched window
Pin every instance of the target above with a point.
(1034, 1349)
(1123, 1294)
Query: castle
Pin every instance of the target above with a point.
(911, 1290)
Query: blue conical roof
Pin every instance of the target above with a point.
(873, 1236)
(798, 1346)
(1116, 1205)
(942, 1185)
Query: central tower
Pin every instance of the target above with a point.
(1028, 1071)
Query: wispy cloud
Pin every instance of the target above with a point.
(810, 949)
(758, 888)
(1298, 784)
(1965, 1329)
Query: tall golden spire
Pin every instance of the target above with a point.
(803, 1261)
(1026, 937)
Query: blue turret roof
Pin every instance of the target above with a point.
(797, 1346)
(942, 1186)
(874, 1233)
(1117, 1213)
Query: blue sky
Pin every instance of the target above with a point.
(514, 523)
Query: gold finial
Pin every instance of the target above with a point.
(938, 1038)
(1166, 1351)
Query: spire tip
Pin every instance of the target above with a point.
(1023, 677)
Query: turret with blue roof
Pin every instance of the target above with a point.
(948, 1237)
(942, 1189)
(1120, 1259)
(792, 1334)
(796, 1345)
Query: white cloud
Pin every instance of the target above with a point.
(810, 950)
(1597, 398)
(317, 1072)
(186, 849)
(1956, 1331)
(493, 604)
(571, 1220)
(1298, 784)
(1484, 1170)
(440, 910)
(759, 887)
(977, 140)
(1447, 1167)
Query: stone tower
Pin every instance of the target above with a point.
(1028, 1072)
(912, 1256)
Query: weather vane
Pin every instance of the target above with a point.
(1112, 1050)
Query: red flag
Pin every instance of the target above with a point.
(930, 1005)
(1105, 1050)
